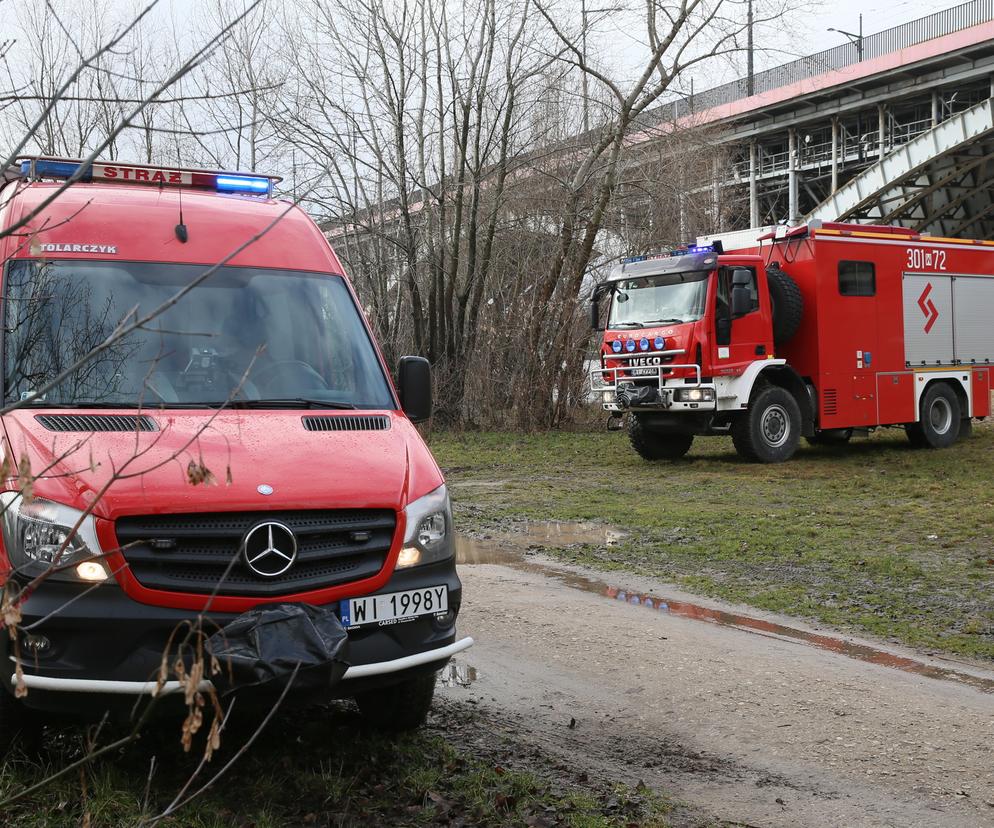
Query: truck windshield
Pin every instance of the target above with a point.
(243, 336)
(667, 299)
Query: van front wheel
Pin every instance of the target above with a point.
(399, 707)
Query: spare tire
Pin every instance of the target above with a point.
(787, 304)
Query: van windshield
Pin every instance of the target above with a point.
(667, 299)
(242, 335)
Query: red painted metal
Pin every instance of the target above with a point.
(307, 470)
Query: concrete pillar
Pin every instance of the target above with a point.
(835, 154)
(882, 127)
(716, 194)
(753, 185)
(936, 109)
(793, 209)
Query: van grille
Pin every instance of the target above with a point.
(97, 422)
(199, 553)
(347, 422)
(830, 401)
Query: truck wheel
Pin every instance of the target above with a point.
(831, 437)
(652, 445)
(939, 419)
(771, 429)
(787, 304)
(399, 707)
(965, 428)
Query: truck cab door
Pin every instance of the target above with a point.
(741, 340)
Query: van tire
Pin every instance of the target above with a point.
(399, 707)
(939, 418)
(20, 727)
(653, 445)
(770, 429)
(787, 304)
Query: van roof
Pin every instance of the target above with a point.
(138, 223)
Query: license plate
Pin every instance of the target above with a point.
(644, 372)
(394, 607)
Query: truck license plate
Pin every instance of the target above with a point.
(394, 607)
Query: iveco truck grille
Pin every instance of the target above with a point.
(202, 553)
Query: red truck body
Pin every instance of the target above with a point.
(880, 316)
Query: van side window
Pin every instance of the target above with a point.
(857, 279)
(725, 289)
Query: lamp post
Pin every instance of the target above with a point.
(854, 38)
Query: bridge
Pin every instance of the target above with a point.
(894, 127)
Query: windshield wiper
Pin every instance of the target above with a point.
(287, 402)
(673, 320)
(625, 325)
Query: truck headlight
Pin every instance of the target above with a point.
(694, 395)
(428, 537)
(35, 532)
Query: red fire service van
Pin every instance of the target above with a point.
(204, 446)
(820, 331)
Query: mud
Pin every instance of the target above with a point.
(749, 717)
(512, 550)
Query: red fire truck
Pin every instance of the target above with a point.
(817, 331)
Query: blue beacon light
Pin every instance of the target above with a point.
(630, 345)
(643, 344)
(616, 346)
(660, 343)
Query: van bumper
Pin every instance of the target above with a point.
(104, 646)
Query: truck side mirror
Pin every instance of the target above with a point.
(741, 302)
(414, 386)
(595, 306)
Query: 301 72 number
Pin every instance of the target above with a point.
(921, 258)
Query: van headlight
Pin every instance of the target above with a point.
(428, 538)
(694, 395)
(35, 532)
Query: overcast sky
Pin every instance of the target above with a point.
(803, 33)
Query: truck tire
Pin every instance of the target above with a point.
(939, 418)
(965, 428)
(399, 707)
(787, 304)
(831, 437)
(652, 445)
(769, 431)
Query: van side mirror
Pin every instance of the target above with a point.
(741, 302)
(414, 386)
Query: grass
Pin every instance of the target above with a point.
(875, 536)
(322, 769)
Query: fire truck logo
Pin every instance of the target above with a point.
(928, 308)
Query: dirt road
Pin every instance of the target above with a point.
(747, 724)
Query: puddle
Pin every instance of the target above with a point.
(510, 550)
(457, 674)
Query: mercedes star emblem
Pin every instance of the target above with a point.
(269, 549)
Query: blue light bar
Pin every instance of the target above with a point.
(643, 344)
(616, 346)
(701, 248)
(43, 168)
(242, 184)
(631, 259)
(630, 345)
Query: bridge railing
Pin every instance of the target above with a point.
(890, 40)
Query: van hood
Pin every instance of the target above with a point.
(245, 452)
